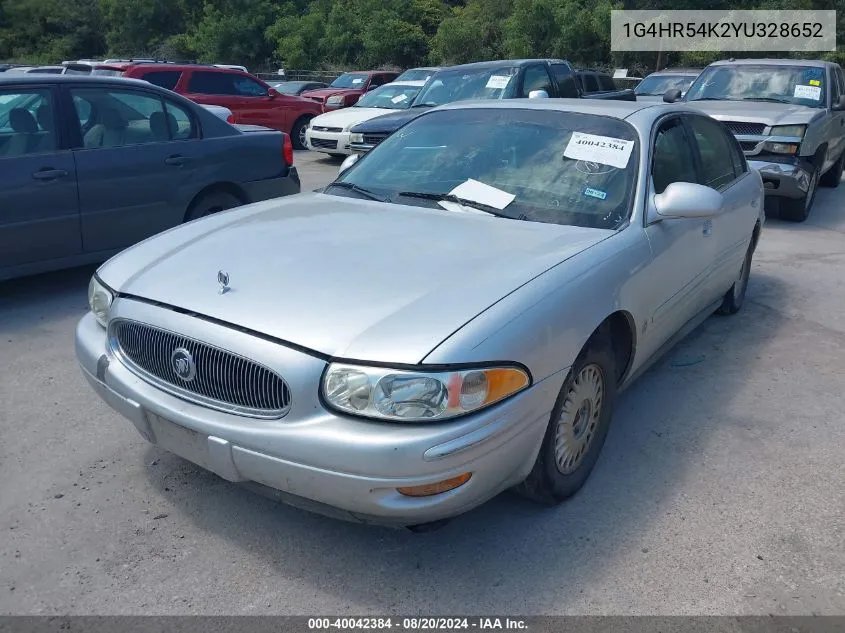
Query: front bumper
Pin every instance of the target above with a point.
(784, 179)
(259, 190)
(328, 142)
(334, 465)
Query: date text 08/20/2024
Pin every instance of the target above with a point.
(415, 623)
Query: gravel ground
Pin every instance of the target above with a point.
(719, 490)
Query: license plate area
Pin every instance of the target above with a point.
(180, 440)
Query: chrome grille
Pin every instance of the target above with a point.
(748, 146)
(744, 128)
(323, 143)
(323, 128)
(374, 139)
(223, 380)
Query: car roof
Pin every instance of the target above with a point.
(501, 63)
(43, 78)
(616, 109)
(416, 83)
(425, 68)
(677, 71)
(183, 67)
(816, 63)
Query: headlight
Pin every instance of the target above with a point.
(781, 148)
(788, 130)
(356, 138)
(334, 100)
(412, 396)
(99, 300)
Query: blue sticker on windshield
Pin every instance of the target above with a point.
(812, 73)
(595, 193)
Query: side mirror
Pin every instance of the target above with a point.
(272, 93)
(688, 200)
(538, 94)
(348, 162)
(839, 104)
(672, 95)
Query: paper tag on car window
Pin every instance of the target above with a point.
(357, 81)
(497, 82)
(807, 92)
(399, 98)
(485, 194)
(599, 149)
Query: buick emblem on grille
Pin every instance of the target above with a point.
(183, 364)
(223, 280)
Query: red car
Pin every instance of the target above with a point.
(251, 100)
(348, 88)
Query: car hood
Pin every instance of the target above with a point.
(348, 116)
(345, 277)
(328, 92)
(389, 122)
(757, 112)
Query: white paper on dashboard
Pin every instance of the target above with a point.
(497, 82)
(399, 98)
(807, 92)
(454, 206)
(357, 81)
(485, 194)
(599, 149)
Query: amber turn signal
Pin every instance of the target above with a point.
(436, 488)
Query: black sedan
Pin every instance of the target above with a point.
(90, 165)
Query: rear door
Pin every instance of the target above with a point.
(137, 156)
(39, 210)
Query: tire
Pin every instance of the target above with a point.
(297, 133)
(735, 297)
(557, 476)
(797, 209)
(211, 203)
(833, 176)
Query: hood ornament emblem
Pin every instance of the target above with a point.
(223, 280)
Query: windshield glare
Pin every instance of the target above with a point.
(415, 74)
(389, 96)
(659, 84)
(542, 157)
(487, 83)
(799, 85)
(350, 80)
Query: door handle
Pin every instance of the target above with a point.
(49, 174)
(175, 160)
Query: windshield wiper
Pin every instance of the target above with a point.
(768, 99)
(424, 105)
(364, 192)
(712, 99)
(450, 197)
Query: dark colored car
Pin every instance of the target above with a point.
(348, 88)
(501, 79)
(595, 82)
(251, 100)
(655, 85)
(90, 165)
(296, 88)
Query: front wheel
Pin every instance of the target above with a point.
(577, 429)
(297, 133)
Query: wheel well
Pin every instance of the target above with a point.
(818, 157)
(755, 235)
(221, 187)
(618, 329)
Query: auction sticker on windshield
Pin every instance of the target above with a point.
(497, 82)
(807, 92)
(599, 149)
(399, 98)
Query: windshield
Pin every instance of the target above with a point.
(350, 80)
(657, 85)
(416, 74)
(799, 85)
(459, 85)
(561, 167)
(389, 96)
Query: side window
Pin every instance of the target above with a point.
(27, 124)
(246, 87)
(590, 83)
(673, 159)
(164, 78)
(120, 118)
(535, 78)
(606, 83)
(565, 80)
(715, 149)
(180, 122)
(83, 110)
(836, 86)
(211, 83)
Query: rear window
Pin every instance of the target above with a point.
(163, 78)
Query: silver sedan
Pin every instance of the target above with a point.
(454, 316)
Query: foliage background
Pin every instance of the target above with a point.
(344, 34)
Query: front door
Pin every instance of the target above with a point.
(39, 210)
(247, 98)
(136, 165)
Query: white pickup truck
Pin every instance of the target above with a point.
(789, 118)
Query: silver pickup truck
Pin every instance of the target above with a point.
(789, 118)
